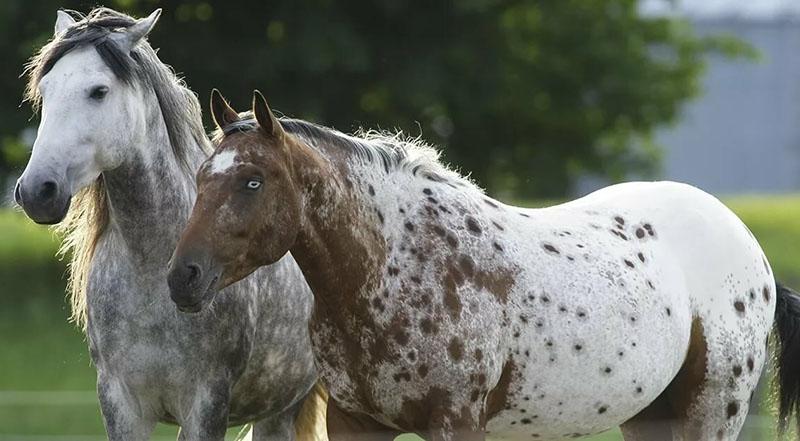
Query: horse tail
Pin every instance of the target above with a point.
(310, 424)
(787, 354)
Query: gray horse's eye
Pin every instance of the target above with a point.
(98, 92)
(253, 184)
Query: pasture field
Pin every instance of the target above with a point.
(47, 381)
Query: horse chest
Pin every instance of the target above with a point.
(409, 356)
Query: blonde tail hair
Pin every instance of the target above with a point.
(310, 424)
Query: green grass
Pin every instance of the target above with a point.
(23, 243)
(775, 221)
(40, 351)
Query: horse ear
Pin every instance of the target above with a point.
(266, 119)
(222, 113)
(63, 21)
(134, 34)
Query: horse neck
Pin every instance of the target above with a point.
(340, 233)
(150, 195)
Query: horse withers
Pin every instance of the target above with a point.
(119, 140)
(441, 311)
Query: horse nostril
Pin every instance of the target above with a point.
(193, 273)
(17, 194)
(48, 190)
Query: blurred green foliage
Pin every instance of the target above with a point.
(524, 95)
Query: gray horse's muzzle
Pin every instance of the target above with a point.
(43, 199)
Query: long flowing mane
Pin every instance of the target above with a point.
(392, 150)
(88, 215)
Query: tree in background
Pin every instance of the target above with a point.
(524, 95)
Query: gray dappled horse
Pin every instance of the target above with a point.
(119, 139)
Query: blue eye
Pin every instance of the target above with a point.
(253, 184)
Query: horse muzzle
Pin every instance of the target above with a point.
(191, 284)
(45, 201)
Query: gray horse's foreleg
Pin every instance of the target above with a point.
(277, 428)
(123, 417)
(208, 418)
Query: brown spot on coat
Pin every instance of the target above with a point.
(550, 248)
(473, 226)
(467, 265)
(619, 234)
(428, 326)
(402, 376)
(455, 349)
(733, 409)
(452, 240)
(451, 301)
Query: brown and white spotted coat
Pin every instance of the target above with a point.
(441, 311)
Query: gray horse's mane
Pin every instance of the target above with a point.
(88, 215)
(392, 150)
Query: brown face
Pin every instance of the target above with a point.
(247, 212)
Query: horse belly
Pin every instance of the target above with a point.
(582, 368)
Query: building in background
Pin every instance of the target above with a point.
(742, 135)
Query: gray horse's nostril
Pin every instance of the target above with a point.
(48, 190)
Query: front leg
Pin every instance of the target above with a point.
(123, 415)
(445, 425)
(277, 428)
(208, 418)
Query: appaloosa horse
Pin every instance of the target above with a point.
(441, 311)
(123, 135)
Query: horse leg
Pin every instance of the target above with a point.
(709, 398)
(456, 435)
(208, 418)
(446, 426)
(347, 426)
(277, 428)
(653, 423)
(122, 415)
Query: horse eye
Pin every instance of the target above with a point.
(98, 93)
(253, 184)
